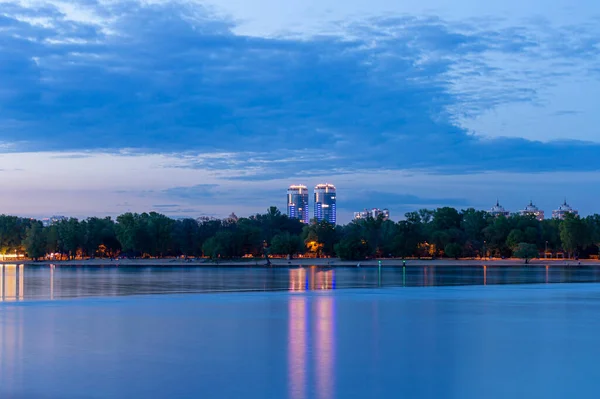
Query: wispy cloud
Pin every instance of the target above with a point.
(199, 191)
(369, 199)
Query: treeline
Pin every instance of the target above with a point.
(444, 232)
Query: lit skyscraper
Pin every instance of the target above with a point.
(325, 203)
(297, 203)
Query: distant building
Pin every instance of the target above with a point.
(297, 203)
(373, 213)
(532, 210)
(53, 220)
(498, 210)
(563, 210)
(325, 203)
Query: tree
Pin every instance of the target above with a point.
(52, 239)
(453, 250)
(320, 237)
(286, 244)
(186, 237)
(35, 241)
(515, 237)
(12, 233)
(593, 228)
(526, 251)
(352, 248)
(573, 233)
(224, 244)
(159, 229)
(70, 237)
(98, 236)
(212, 248)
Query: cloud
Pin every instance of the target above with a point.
(199, 191)
(385, 92)
(369, 199)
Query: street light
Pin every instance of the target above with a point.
(484, 251)
(546, 251)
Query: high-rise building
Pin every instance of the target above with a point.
(325, 203)
(373, 213)
(297, 203)
(562, 210)
(498, 210)
(532, 210)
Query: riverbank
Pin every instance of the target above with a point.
(331, 262)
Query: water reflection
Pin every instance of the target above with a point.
(302, 280)
(485, 275)
(311, 332)
(11, 330)
(412, 343)
(18, 282)
(325, 347)
(297, 347)
(12, 287)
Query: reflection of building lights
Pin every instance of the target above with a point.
(12, 286)
(297, 346)
(325, 347)
(297, 279)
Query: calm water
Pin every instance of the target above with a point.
(489, 340)
(47, 282)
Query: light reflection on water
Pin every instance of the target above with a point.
(466, 342)
(48, 282)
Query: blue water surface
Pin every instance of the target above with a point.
(478, 341)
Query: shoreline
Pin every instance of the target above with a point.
(320, 262)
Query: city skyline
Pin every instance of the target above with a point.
(298, 194)
(405, 105)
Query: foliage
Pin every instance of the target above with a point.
(35, 241)
(453, 250)
(431, 233)
(526, 251)
(286, 244)
(573, 234)
(352, 248)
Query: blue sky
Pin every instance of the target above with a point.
(207, 108)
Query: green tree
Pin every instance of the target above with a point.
(593, 227)
(186, 237)
(286, 244)
(573, 234)
(52, 239)
(35, 241)
(496, 234)
(99, 237)
(320, 235)
(515, 237)
(12, 233)
(453, 250)
(225, 244)
(70, 237)
(526, 251)
(159, 229)
(352, 248)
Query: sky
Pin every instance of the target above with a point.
(204, 108)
